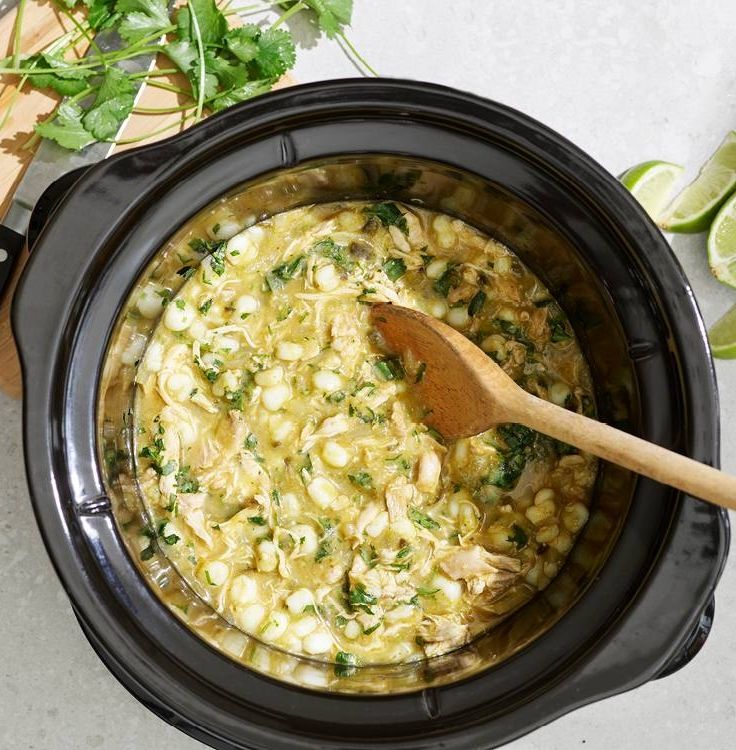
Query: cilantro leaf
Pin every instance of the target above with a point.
(167, 538)
(113, 104)
(338, 254)
(277, 277)
(271, 52)
(362, 479)
(276, 53)
(394, 268)
(183, 54)
(228, 74)
(389, 368)
(240, 94)
(389, 215)
(518, 536)
(359, 598)
(212, 23)
(449, 280)
(476, 304)
(518, 443)
(331, 15)
(558, 330)
(185, 482)
(102, 14)
(67, 80)
(243, 42)
(141, 18)
(345, 664)
(421, 519)
(66, 127)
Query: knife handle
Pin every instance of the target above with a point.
(11, 248)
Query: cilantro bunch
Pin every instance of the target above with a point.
(223, 64)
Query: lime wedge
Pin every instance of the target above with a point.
(722, 243)
(694, 208)
(651, 183)
(722, 336)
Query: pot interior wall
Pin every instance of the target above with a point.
(544, 246)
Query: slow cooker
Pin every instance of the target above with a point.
(635, 599)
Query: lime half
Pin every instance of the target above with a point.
(722, 243)
(694, 208)
(651, 183)
(722, 336)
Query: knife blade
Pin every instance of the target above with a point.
(7, 5)
(51, 161)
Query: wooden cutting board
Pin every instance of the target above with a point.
(42, 23)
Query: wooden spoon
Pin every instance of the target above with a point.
(466, 393)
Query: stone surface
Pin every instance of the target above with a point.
(626, 81)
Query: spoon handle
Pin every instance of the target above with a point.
(629, 451)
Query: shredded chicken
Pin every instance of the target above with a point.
(191, 510)
(440, 635)
(481, 570)
(399, 495)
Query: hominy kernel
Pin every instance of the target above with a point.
(326, 278)
(436, 268)
(276, 396)
(305, 538)
(243, 589)
(327, 381)
(275, 626)
(378, 525)
(458, 317)
(322, 491)
(317, 642)
(334, 454)
(250, 617)
(289, 351)
(272, 376)
(245, 305)
(266, 556)
(298, 600)
(178, 317)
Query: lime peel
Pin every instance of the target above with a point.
(722, 244)
(651, 183)
(722, 336)
(694, 207)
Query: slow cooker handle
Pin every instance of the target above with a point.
(693, 643)
(49, 200)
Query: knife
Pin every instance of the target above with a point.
(51, 161)
(6, 5)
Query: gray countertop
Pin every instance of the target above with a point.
(626, 81)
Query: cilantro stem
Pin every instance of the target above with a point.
(164, 129)
(148, 39)
(17, 32)
(202, 71)
(288, 14)
(90, 62)
(154, 73)
(62, 43)
(169, 87)
(161, 110)
(52, 47)
(357, 54)
(84, 32)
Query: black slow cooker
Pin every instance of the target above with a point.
(635, 599)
